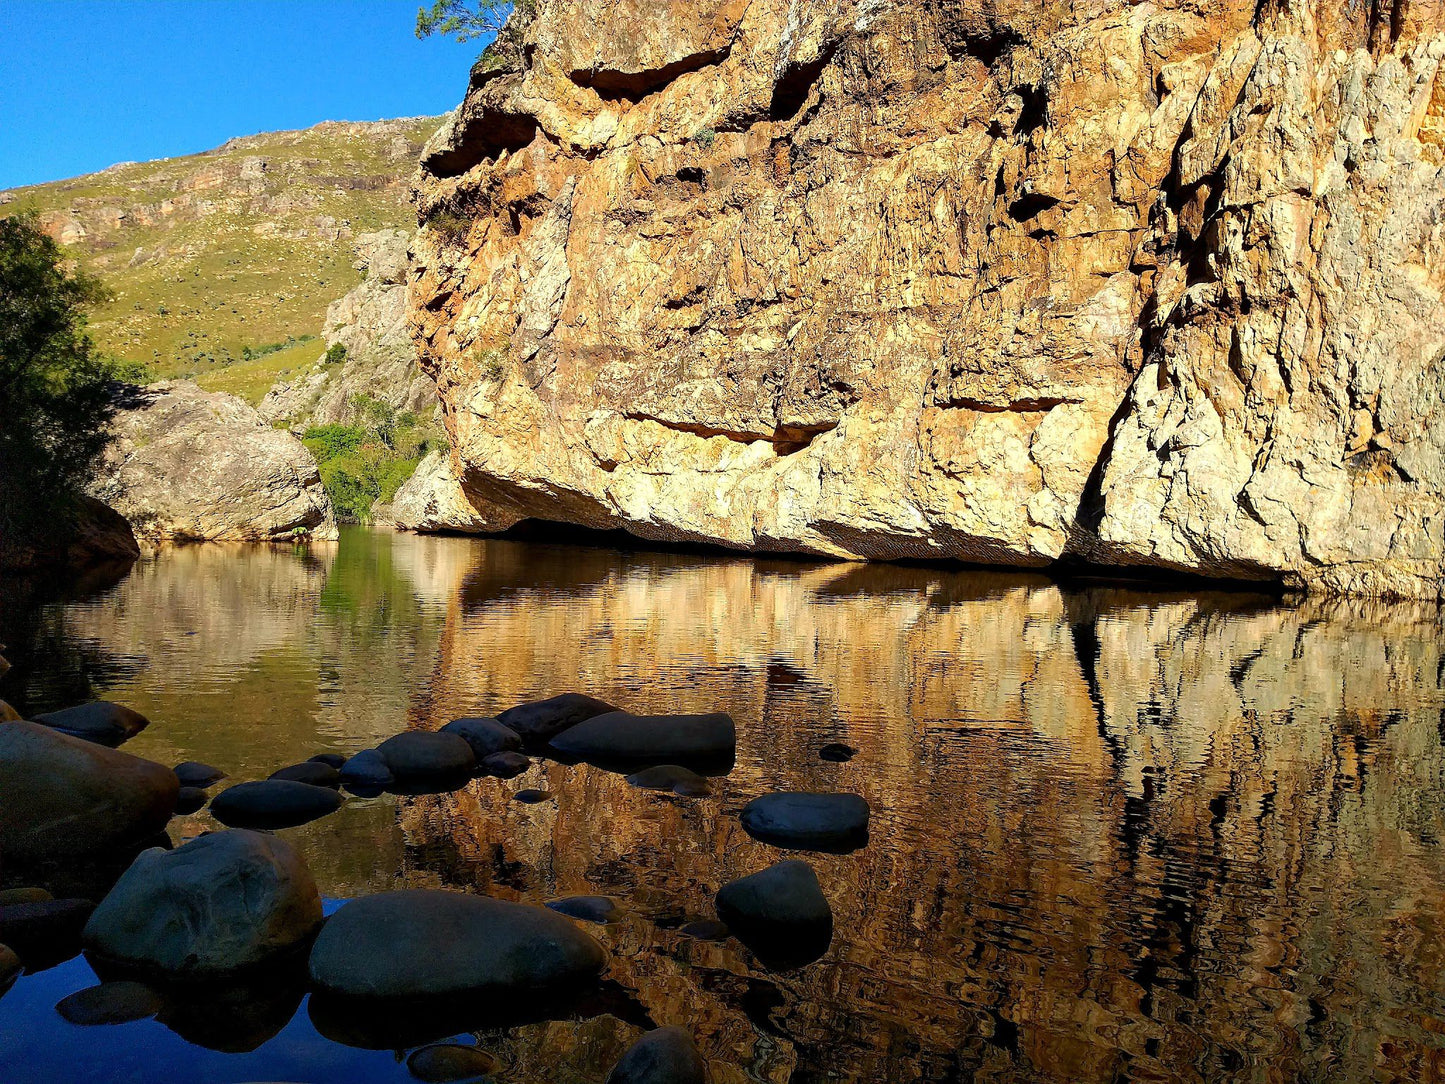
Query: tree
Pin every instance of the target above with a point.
(464, 20)
(56, 391)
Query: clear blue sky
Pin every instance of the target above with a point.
(88, 83)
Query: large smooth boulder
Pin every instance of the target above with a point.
(620, 737)
(808, 820)
(366, 774)
(423, 757)
(422, 943)
(61, 797)
(662, 1056)
(100, 722)
(542, 720)
(310, 771)
(485, 736)
(223, 903)
(779, 913)
(272, 804)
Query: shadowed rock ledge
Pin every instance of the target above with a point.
(1135, 284)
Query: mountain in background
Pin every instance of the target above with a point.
(222, 264)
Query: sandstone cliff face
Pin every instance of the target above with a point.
(1150, 284)
(188, 465)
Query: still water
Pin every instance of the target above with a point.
(1117, 834)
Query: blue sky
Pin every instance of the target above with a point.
(88, 83)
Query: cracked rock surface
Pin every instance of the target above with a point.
(1146, 284)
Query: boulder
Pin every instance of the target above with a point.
(442, 1063)
(419, 756)
(420, 943)
(673, 778)
(61, 797)
(542, 720)
(190, 800)
(119, 1002)
(505, 765)
(620, 737)
(435, 498)
(332, 760)
(192, 465)
(779, 913)
(310, 771)
(366, 774)
(45, 932)
(10, 968)
(223, 903)
(485, 736)
(837, 752)
(192, 773)
(273, 803)
(100, 722)
(599, 909)
(808, 821)
(663, 1056)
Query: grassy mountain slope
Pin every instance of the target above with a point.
(222, 263)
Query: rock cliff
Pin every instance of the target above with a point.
(1146, 284)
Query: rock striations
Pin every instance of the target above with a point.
(1144, 284)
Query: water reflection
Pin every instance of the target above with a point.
(1116, 834)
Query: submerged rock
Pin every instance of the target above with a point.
(808, 821)
(419, 756)
(780, 913)
(506, 765)
(63, 797)
(119, 1002)
(620, 737)
(531, 796)
(100, 722)
(192, 773)
(837, 752)
(310, 771)
(222, 903)
(332, 760)
(599, 909)
(45, 932)
(673, 778)
(485, 736)
(273, 803)
(366, 774)
(191, 800)
(442, 1063)
(664, 1056)
(542, 720)
(420, 943)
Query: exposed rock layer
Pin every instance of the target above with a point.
(1151, 284)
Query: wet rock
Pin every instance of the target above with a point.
(542, 720)
(272, 804)
(506, 765)
(333, 760)
(531, 796)
(223, 903)
(100, 722)
(10, 968)
(664, 1056)
(442, 1063)
(419, 756)
(620, 737)
(780, 913)
(8, 714)
(485, 736)
(808, 821)
(366, 774)
(46, 932)
(311, 771)
(12, 896)
(673, 778)
(110, 1003)
(191, 800)
(192, 773)
(420, 943)
(599, 909)
(837, 752)
(63, 797)
(706, 929)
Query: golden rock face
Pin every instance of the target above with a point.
(1146, 284)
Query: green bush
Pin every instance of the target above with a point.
(335, 354)
(371, 459)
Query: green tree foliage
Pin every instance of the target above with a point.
(335, 353)
(370, 460)
(465, 20)
(56, 391)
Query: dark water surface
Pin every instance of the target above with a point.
(1117, 834)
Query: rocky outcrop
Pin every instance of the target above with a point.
(191, 465)
(380, 359)
(1148, 285)
(435, 499)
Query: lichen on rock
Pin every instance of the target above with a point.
(1139, 284)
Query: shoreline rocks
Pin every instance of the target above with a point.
(273, 803)
(485, 736)
(424, 758)
(540, 721)
(366, 774)
(100, 722)
(780, 913)
(619, 737)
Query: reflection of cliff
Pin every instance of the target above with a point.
(1114, 833)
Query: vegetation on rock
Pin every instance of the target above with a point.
(369, 461)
